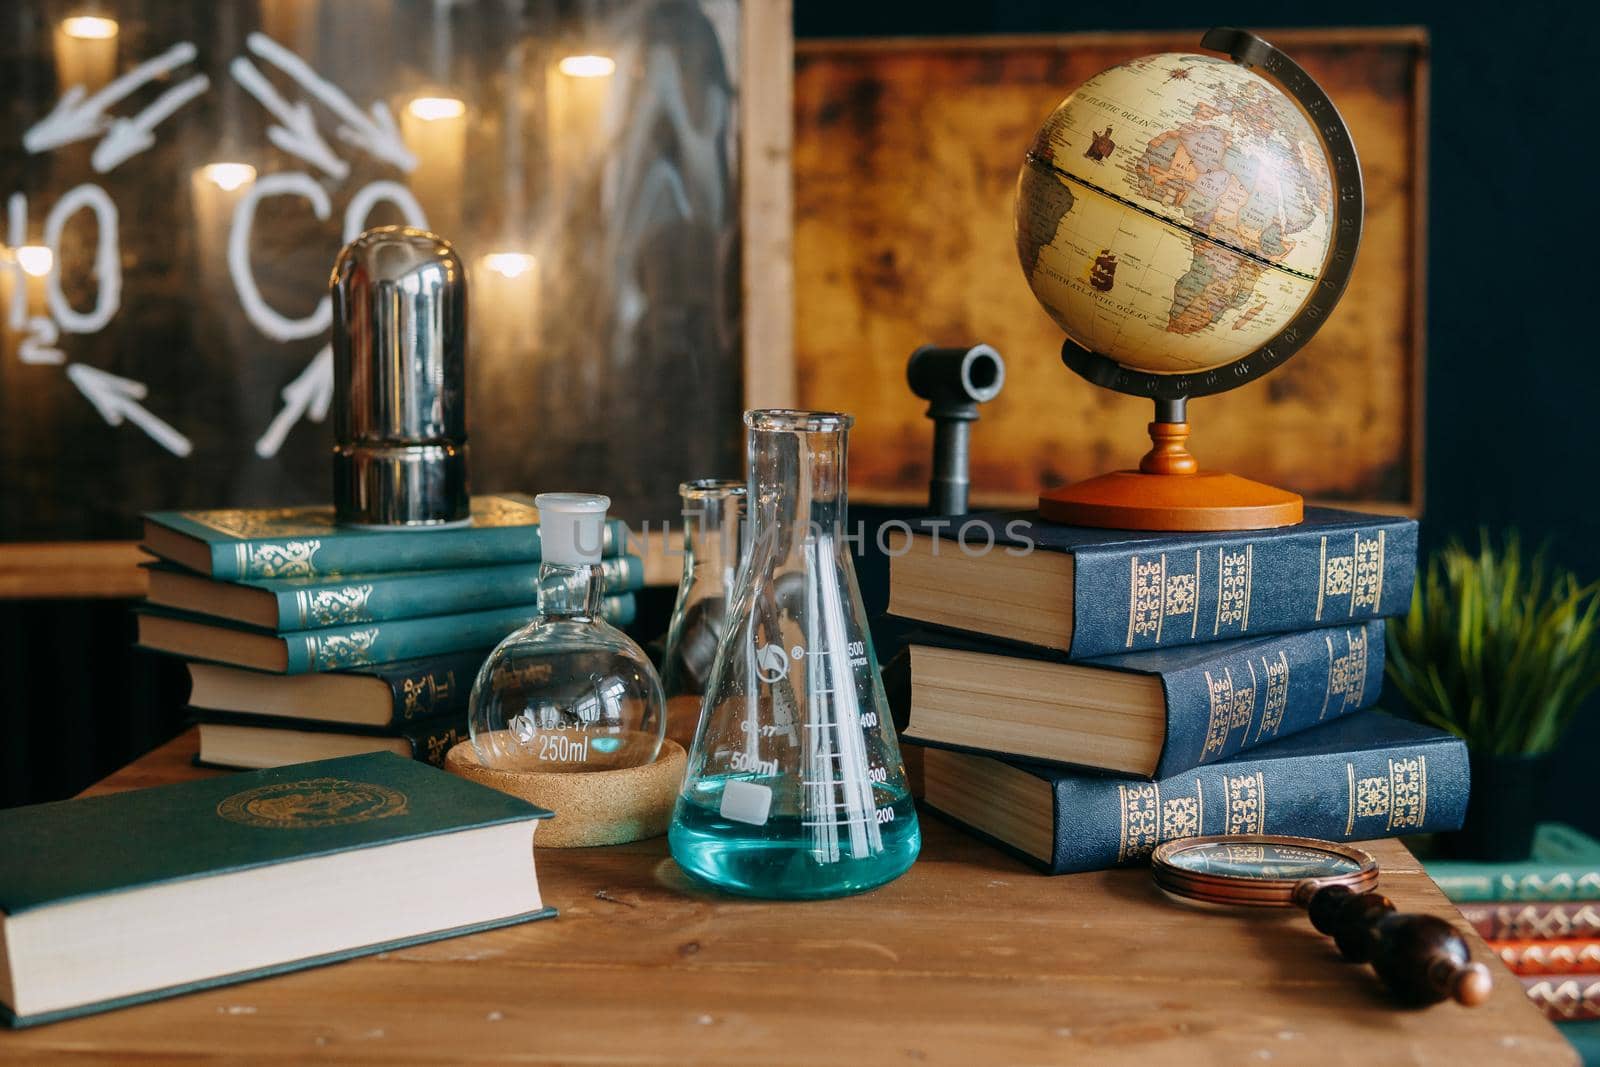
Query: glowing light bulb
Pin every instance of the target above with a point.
(228, 176)
(89, 27)
(35, 260)
(587, 66)
(433, 108)
(509, 264)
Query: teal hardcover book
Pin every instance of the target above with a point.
(1564, 865)
(335, 648)
(251, 742)
(309, 603)
(305, 542)
(114, 900)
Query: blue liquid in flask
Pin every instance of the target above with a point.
(794, 857)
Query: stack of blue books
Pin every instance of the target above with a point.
(308, 640)
(1080, 696)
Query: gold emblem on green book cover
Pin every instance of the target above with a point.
(312, 802)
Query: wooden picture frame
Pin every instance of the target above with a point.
(111, 569)
(906, 154)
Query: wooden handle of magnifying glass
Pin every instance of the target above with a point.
(1421, 959)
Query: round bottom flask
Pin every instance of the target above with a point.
(568, 691)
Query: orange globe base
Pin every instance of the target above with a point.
(1169, 492)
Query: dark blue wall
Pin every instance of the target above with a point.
(1513, 373)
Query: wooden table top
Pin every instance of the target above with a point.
(969, 958)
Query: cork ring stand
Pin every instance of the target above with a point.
(592, 807)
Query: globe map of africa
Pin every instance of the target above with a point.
(1174, 213)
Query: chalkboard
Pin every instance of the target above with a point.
(177, 178)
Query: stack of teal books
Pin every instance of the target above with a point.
(1541, 916)
(307, 640)
(1080, 696)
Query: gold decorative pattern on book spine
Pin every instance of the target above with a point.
(328, 652)
(1245, 807)
(1347, 673)
(1350, 819)
(1367, 587)
(422, 695)
(1357, 576)
(1157, 593)
(1244, 704)
(333, 607)
(289, 559)
(436, 745)
(1234, 569)
(1219, 693)
(1408, 792)
(1276, 672)
(1141, 827)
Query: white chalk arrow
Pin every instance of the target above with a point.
(296, 132)
(118, 398)
(373, 131)
(309, 395)
(77, 117)
(128, 137)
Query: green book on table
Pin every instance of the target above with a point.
(335, 648)
(305, 542)
(308, 603)
(1564, 865)
(115, 900)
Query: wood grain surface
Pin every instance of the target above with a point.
(906, 158)
(971, 958)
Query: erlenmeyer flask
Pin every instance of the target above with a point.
(795, 787)
(713, 512)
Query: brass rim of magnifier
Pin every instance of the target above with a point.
(1255, 892)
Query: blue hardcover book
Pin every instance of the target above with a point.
(335, 648)
(285, 604)
(114, 900)
(1369, 775)
(1155, 713)
(305, 542)
(1091, 593)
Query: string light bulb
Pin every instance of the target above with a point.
(35, 260)
(89, 27)
(587, 66)
(510, 264)
(434, 108)
(228, 176)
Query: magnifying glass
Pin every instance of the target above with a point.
(1419, 958)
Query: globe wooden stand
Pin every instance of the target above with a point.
(1170, 492)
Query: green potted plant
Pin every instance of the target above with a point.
(1500, 649)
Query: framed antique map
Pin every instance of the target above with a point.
(906, 160)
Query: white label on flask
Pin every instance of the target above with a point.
(746, 802)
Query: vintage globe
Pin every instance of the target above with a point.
(1174, 213)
